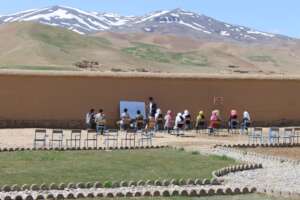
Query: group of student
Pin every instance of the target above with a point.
(233, 122)
(95, 120)
(156, 120)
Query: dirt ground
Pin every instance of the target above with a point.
(192, 140)
(292, 153)
(24, 138)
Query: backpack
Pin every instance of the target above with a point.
(92, 118)
(181, 119)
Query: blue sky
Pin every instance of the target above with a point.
(278, 16)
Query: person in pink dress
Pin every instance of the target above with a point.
(215, 121)
(169, 121)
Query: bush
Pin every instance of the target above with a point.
(181, 149)
(107, 184)
(195, 153)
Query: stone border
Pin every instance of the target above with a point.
(264, 145)
(10, 149)
(148, 193)
(235, 168)
(260, 155)
(109, 184)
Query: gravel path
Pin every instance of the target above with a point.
(278, 176)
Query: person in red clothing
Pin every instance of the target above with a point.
(215, 121)
(233, 120)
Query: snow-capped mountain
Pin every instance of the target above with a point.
(177, 22)
(186, 23)
(71, 18)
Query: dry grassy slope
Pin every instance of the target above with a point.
(39, 45)
(279, 57)
(30, 44)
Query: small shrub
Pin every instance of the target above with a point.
(181, 149)
(107, 184)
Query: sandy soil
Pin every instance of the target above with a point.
(191, 141)
(292, 153)
(24, 138)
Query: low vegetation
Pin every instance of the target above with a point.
(87, 64)
(88, 166)
(262, 58)
(158, 54)
(66, 39)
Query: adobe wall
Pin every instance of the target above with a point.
(61, 101)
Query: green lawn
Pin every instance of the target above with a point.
(87, 166)
(236, 197)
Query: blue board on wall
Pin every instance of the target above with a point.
(133, 107)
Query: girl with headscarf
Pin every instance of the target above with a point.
(233, 120)
(179, 122)
(187, 119)
(169, 121)
(214, 120)
(159, 120)
(246, 121)
(200, 121)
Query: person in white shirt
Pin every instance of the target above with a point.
(187, 120)
(125, 120)
(100, 121)
(246, 122)
(159, 120)
(179, 122)
(89, 119)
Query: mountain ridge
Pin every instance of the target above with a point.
(177, 22)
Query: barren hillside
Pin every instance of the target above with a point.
(28, 45)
